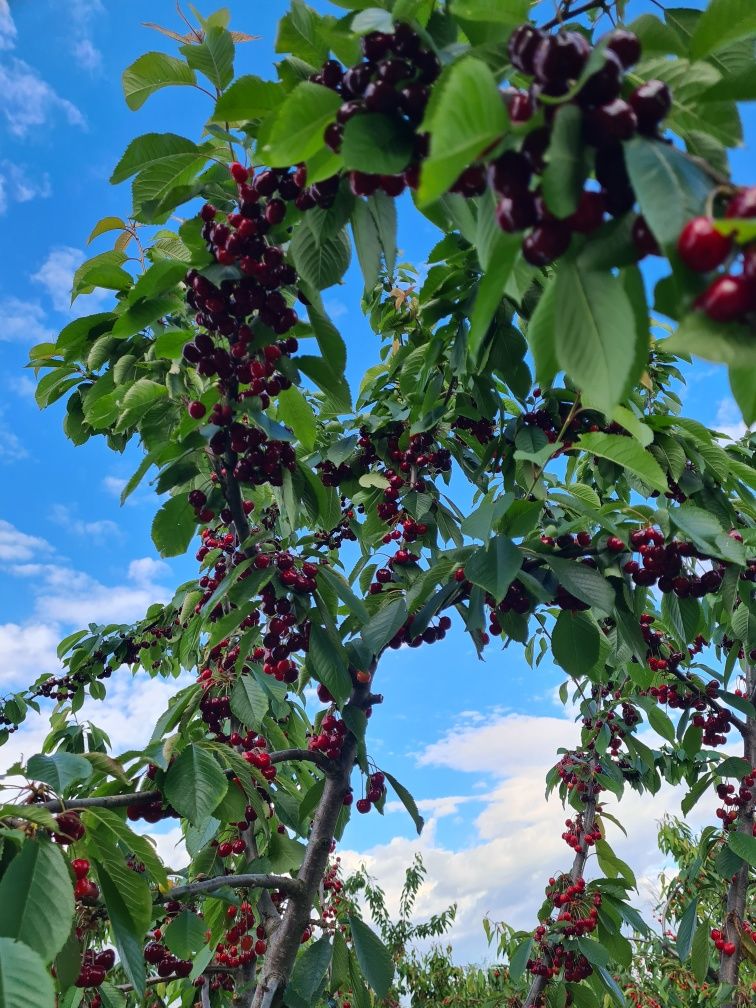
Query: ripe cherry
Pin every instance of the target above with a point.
(726, 298)
(701, 246)
(196, 410)
(239, 173)
(590, 212)
(546, 242)
(615, 545)
(644, 239)
(651, 102)
(626, 45)
(743, 203)
(260, 947)
(363, 805)
(80, 867)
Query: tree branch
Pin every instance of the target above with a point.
(305, 756)
(283, 883)
(565, 12)
(103, 801)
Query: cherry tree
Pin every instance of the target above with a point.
(515, 461)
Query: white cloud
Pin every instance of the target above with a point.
(19, 547)
(114, 485)
(147, 570)
(81, 14)
(96, 531)
(19, 185)
(7, 27)
(23, 386)
(513, 840)
(27, 651)
(729, 420)
(27, 101)
(12, 448)
(56, 274)
(23, 322)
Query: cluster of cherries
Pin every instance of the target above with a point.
(721, 944)
(69, 828)
(734, 801)
(166, 964)
(556, 63)
(662, 564)
(577, 837)
(375, 792)
(731, 296)
(330, 738)
(94, 967)
(393, 79)
(578, 910)
(556, 958)
(243, 941)
(85, 889)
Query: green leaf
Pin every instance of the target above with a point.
(185, 935)
(503, 11)
(214, 56)
(685, 929)
(595, 333)
(372, 955)
(407, 800)
(249, 702)
(562, 181)
(611, 985)
(491, 289)
(320, 263)
(541, 335)
(151, 149)
(367, 243)
(519, 958)
(384, 625)
(195, 784)
(495, 566)
(310, 969)
(296, 412)
(467, 116)
(328, 662)
(744, 846)
(299, 33)
(140, 397)
(113, 830)
(173, 526)
(732, 344)
(24, 979)
(37, 899)
(722, 21)
(299, 123)
(593, 951)
(339, 585)
(699, 961)
(59, 770)
(149, 73)
(103, 270)
(104, 225)
(128, 938)
(249, 97)
(628, 453)
(377, 144)
(668, 186)
(328, 381)
(110, 996)
(661, 723)
(575, 642)
(584, 583)
(744, 390)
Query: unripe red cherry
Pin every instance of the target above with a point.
(196, 410)
(701, 247)
(239, 173)
(726, 299)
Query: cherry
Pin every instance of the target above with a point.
(516, 213)
(80, 867)
(615, 545)
(363, 184)
(749, 263)
(522, 46)
(363, 805)
(590, 212)
(260, 947)
(701, 246)
(743, 203)
(380, 96)
(376, 45)
(651, 102)
(626, 45)
(615, 120)
(333, 135)
(239, 173)
(644, 239)
(726, 298)
(560, 57)
(534, 147)
(546, 242)
(332, 73)
(105, 959)
(510, 173)
(196, 410)
(520, 107)
(604, 85)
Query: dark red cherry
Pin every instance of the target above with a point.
(615, 120)
(332, 74)
(644, 239)
(520, 107)
(534, 147)
(333, 135)
(510, 173)
(522, 46)
(743, 203)
(727, 298)
(376, 45)
(546, 242)
(701, 246)
(363, 184)
(515, 213)
(590, 212)
(604, 85)
(626, 45)
(651, 102)
(380, 96)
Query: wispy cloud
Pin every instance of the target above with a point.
(19, 185)
(56, 275)
(23, 322)
(27, 101)
(728, 420)
(7, 27)
(99, 531)
(82, 13)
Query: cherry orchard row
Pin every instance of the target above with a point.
(564, 483)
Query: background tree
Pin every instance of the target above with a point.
(552, 160)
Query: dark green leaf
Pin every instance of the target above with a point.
(722, 21)
(373, 956)
(249, 702)
(584, 583)
(173, 526)
(575, 642)
(407, 800)
(384, 625)
(629, 454)
(377, 144)
(685, 930)
(24, 979)
(185, 935)
(562, 181)
(299, 123)
(744, 846)
(494, 566)
(149, 73)
(195, 784)
(37, 899)
(249, 97)
(214, 56)
(320, 263)
(328, 662)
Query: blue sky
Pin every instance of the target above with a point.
(471, 740)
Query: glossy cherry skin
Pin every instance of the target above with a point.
(651, 102)
(701, 247)
(727, 298)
